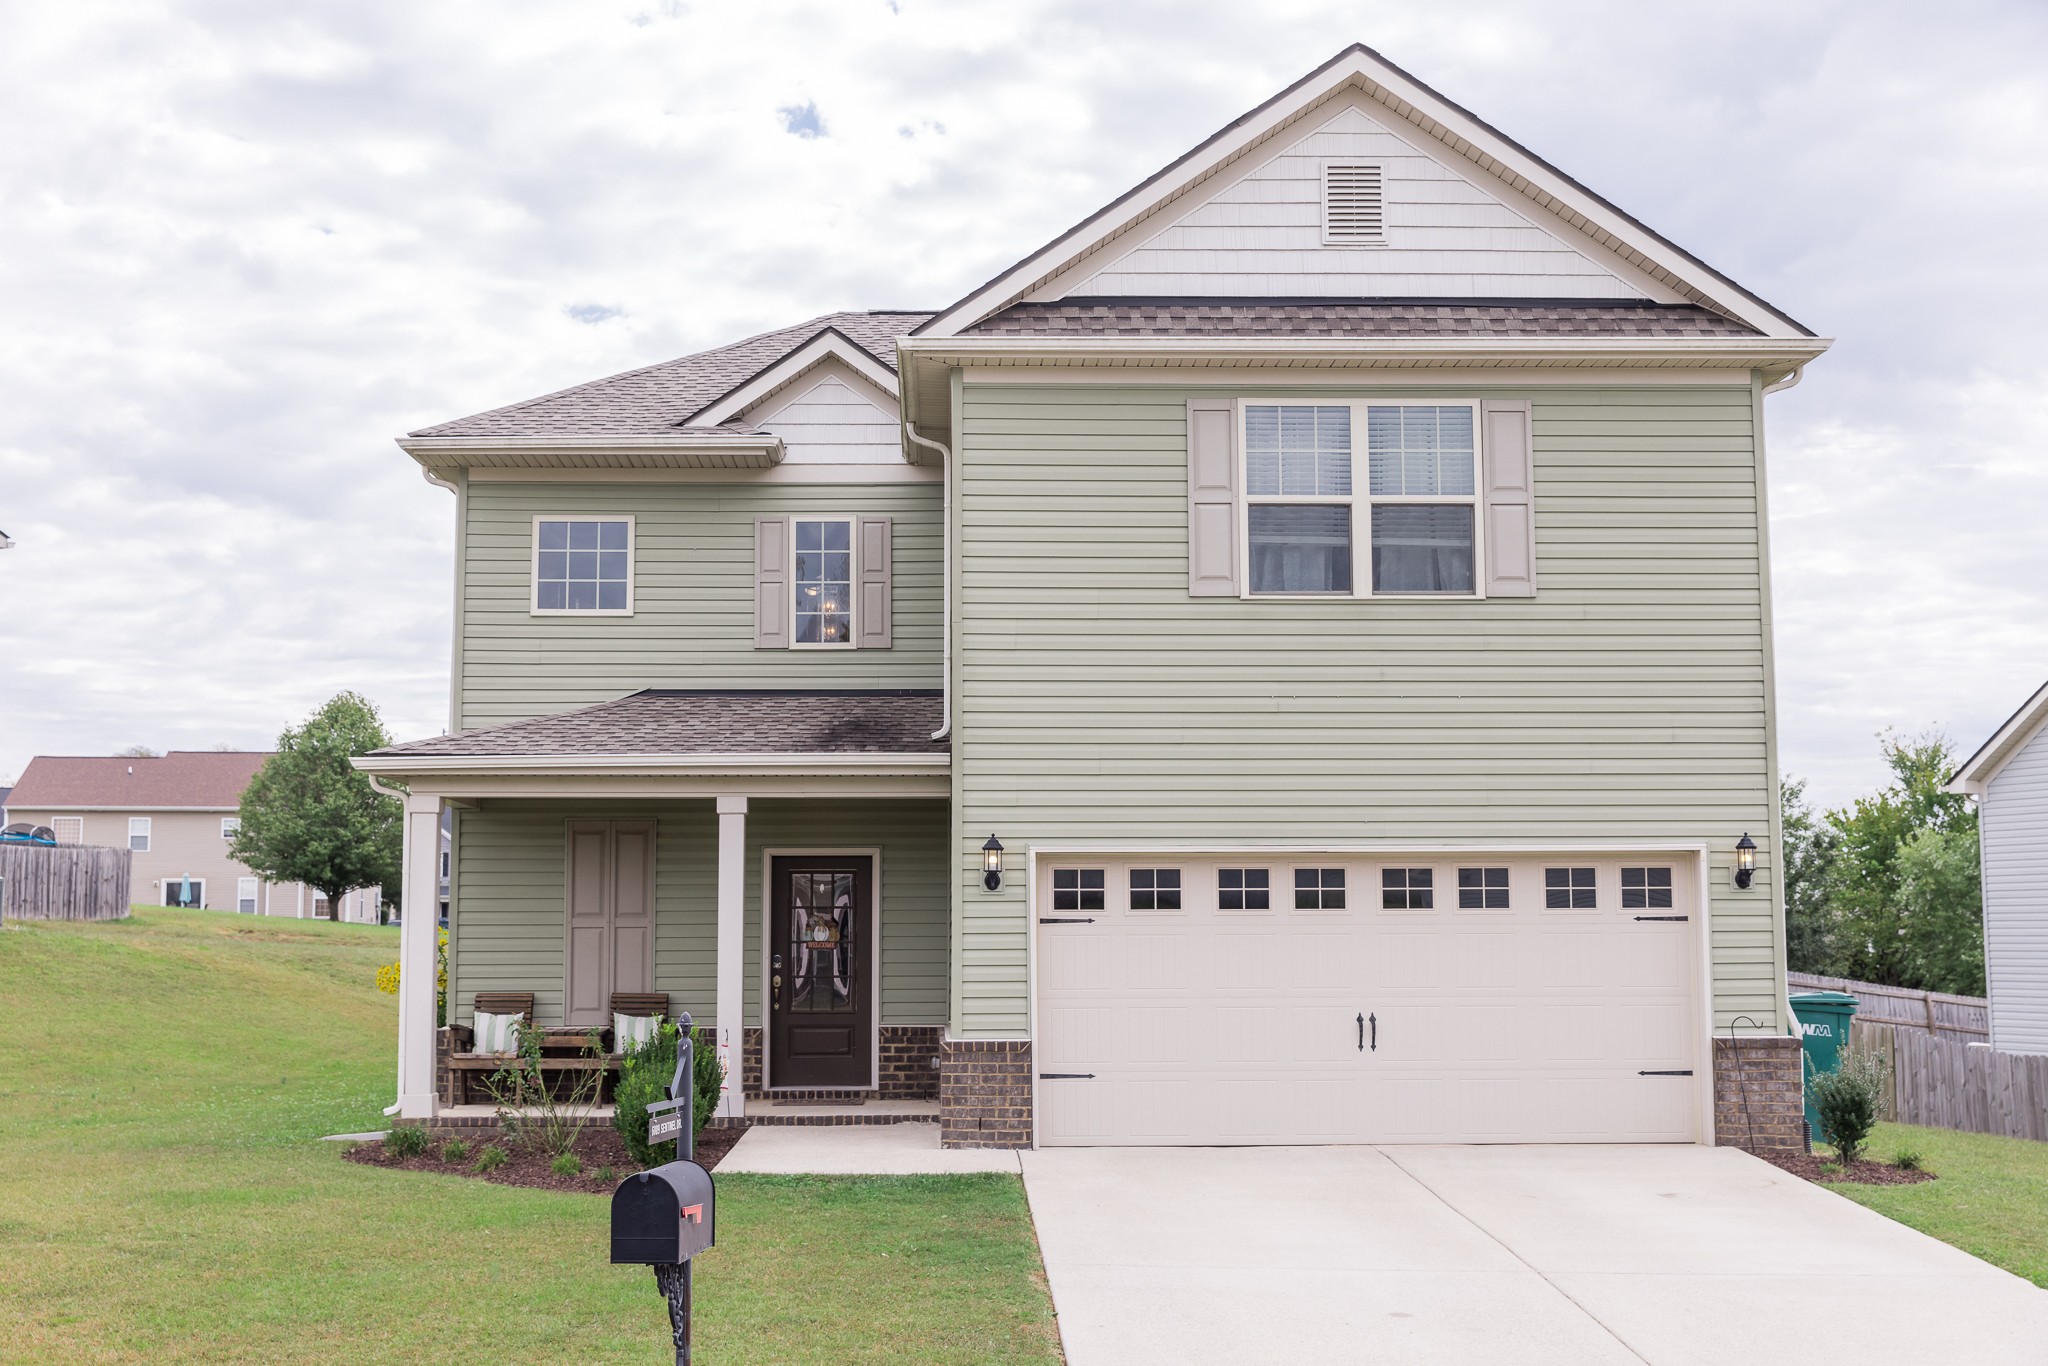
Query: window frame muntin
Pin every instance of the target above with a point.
(852, 521)
(1361, 496)
(533, 607)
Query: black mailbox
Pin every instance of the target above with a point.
(663, 1216)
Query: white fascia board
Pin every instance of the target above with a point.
(1407, 97)
(679, 450)
(13, 805)
(1980, 768)
(1370, 352)
(830, 343)
(610, 765)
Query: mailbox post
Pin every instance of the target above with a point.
(664, 1217)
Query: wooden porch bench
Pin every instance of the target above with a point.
(566, 1041)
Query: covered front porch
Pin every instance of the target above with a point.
(774, 864)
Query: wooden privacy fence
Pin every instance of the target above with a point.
(1950, 1085)
(67, 882)
(1966, 1019)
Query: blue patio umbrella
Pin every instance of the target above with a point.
(185, 890)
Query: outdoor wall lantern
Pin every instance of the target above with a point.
(992, 864)
(1745, 860)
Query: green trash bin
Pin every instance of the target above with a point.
(1824, 1018)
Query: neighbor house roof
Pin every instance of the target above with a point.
(665, 723)
(198, 780)
(1980, 768)
(1356, 318)
(658, 399)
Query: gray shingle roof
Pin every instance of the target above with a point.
(653, 400)
(662, 721)
(1354, 318)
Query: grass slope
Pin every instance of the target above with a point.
(164, 1082)
(1991, 1200)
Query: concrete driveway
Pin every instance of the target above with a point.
(1585, 1255)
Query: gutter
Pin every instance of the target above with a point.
(1406, 352)
(945, 583)
(609, 765)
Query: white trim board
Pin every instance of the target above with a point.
(1975, 773)
(802, 473)
(831, 343)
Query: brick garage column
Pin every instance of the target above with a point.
(1760, 1093)
(985, 1093)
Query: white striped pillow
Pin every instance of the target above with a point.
(495, 1033)
(632, 1031)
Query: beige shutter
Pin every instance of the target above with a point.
(1510, 500)
(1213, 558)
(771, 584)
(874, 621)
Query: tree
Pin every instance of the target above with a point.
(1941, 896)
(137, 752)
(1812, 938)
(1879, 928)
(309, 817)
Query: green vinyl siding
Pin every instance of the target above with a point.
(1097, 700)
(509, 896)
(693, 620)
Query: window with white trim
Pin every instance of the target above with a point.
(1318, 889)
(230, 826)
(1077, 889)
(138, 834)
(1483, 889)
(1244, 889)
(1569, 889)
(1646, 889)
(823, 580)
(1155, 889)
(1416, 517)
(245, 895)
(582, 566)
(189, 892)
(1408, 889)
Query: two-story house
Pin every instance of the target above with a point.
(1288, 661)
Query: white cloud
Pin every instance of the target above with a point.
(247, 244)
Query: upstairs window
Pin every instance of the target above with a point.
(824, 581)
(230, 826)
(583, 566)
(1298, 490)
(1421, 465)
(138, 834)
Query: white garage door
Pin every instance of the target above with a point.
(1319, 999)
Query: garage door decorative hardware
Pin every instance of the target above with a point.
(1066, 920)
(1066, 1076)
(1372, 1022)
(1663, 917)
(1680, 1072)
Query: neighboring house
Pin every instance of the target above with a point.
(1335, 576)
(5, 792)
(2009, 779)
(177, 814)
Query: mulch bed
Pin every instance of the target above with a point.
(598, 1148)
(1828, 1172)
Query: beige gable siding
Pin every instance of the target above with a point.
(693, 619)
(1099, 701)
(1446, 237)
(831, 422)
(509, 897)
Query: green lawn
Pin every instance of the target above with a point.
(1991, 1200)
(164, 1196)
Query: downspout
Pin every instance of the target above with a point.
(1786, 383)
(945, 582)
(438, 482)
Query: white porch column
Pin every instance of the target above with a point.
(417, 969)
(732, 950)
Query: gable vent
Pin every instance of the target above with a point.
(1354, 204)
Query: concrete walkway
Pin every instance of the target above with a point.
(1505, 1255)
(857, 1150)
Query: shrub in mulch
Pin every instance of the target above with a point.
(1828, 1172)
(526, 1165)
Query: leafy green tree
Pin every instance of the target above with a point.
(1812, 938)
(1941, 896)
(1879, 927)
(309, 817)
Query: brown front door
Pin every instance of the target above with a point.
(821, 989)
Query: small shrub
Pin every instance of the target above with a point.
(406, 1140)
(535, 1114)
(490, 1157)
(1908, 1160)
(454, 1150)
(607, 1175)
(1848, 1100)
(644, 1075)
(567, 1164)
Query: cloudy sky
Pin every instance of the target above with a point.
(245, 243)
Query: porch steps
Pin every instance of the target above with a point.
(839, 1112)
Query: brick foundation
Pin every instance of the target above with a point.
(1759, 1094)
(985, 1093)
(909, 1071)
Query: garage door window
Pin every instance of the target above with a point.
(1408, 889)
(1318, 889)
(1644, 889)
(1077, 889)
(1568, 889)
(1244, 889)
(1155, 889)
(1482, 889)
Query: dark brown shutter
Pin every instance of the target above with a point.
(771, 584)
(1213, 558)
(874, 614)
(1510, 499)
